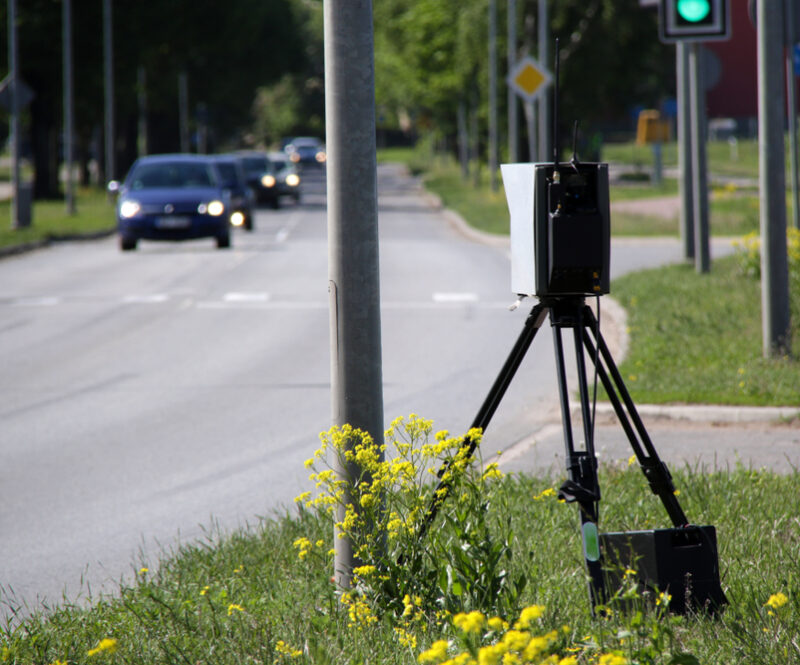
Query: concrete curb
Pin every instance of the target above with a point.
(13, 250)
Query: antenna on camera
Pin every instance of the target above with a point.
(574, 159)
(556, 147)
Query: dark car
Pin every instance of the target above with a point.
(287, 176)
(261, 176)
(172, 197)
(306, 151)
(234, 180)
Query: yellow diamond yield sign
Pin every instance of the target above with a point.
(528, 78)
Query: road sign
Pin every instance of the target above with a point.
(693, 20)
(528, 78)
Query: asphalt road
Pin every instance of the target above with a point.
(147, 396)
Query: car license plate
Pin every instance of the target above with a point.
(173, 222)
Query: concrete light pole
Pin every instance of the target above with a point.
(69, 184)
(356, 369)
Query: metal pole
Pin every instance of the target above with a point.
(108, 48)
(69, 185)
(493, 180)
(513, 125)
(356, 371)
(17, 221)
(775, 317)
(141, 97)
(685, 180)
(791, 104)
(544, 98)
(702, 259)
(183, 110)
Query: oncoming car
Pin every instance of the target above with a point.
(306, 151)
(286, 175)
(172, 197)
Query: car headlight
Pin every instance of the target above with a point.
(295, 157)
(129, 209)
(321, 157)
(292, 180)
(268, 180)
(213, 208)
(237, 219)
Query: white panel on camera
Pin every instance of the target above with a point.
(518, 180)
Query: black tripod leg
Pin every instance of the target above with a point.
(483, 417)
(582, 485)
(651, 464)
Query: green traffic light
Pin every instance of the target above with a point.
(693, 10)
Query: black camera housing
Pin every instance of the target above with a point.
(560, 228)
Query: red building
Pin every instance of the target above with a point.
(735, 67)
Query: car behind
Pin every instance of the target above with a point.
(234, 181)
(261, 176)
(287, 176)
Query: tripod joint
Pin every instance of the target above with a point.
(582, 485)
(658, 476)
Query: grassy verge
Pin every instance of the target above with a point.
(259, 597)
(697, 338)
(50, 219)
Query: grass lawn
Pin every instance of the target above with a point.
(50, 219)
(264, 595)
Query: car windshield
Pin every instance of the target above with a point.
(306, 143)
(228, 174)
(256, 165)
(172, 174)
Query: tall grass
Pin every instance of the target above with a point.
(265, 595)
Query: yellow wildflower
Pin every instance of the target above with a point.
(108, 645)
(527, 615)
(436, 653)
(492, 472)
(490, 655)
(283, 648)
(777, 600)
(497, 624)
(615, 658)
(469, 623)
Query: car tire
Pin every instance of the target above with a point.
(248, 223)
(224, 241)
(275, 203)
(127, 244)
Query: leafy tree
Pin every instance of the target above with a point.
(227, 51)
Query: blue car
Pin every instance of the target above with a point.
(172, 197)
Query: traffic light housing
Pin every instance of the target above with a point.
(693, 20)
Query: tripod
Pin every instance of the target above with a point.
(582, 487)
